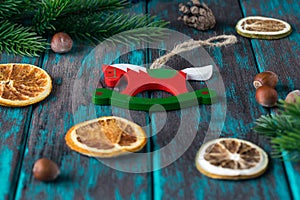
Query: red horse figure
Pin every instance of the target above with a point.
(139, 79)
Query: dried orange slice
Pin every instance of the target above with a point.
(229, 158)
(23, 84)
(106, 137)
(263, 28)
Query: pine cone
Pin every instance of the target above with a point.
(197, 15)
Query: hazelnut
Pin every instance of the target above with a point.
(266, 96)
(61, 43)
(291, 97)
(265, 78)
(45, 170)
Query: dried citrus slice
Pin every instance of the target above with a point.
(106, 137)
(23, 84)
(263, 27)
(229, 158)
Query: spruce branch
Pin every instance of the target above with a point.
(10, 8)
(47, 13)
(17, 39)
(99, 27)
(91, 20)
(283, 129)
(91, 6)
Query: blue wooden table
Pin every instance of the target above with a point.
(38, 131)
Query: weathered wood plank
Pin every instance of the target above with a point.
(237, 67)
(280, 56)
(81, 177)
(14, 129)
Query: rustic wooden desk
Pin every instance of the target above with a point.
(38, 131)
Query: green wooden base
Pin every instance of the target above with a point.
(103, 96)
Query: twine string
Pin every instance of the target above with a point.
(217, 41)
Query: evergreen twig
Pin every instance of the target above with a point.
(283, 129)
(91, 20)
(20, 40)
(47, 14)
(99, 27)
(9, 8)
(50, 11)
(91, 6)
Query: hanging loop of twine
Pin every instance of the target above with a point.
(216, 41)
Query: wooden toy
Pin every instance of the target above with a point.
(140, 79)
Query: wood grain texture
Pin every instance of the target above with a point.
(237, 67)
(81, 177)
(13, 136)
(282, 57)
